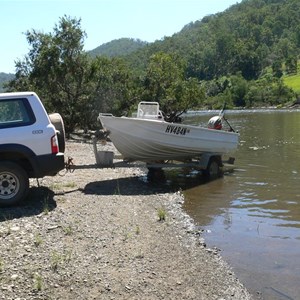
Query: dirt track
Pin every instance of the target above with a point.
(95, 234)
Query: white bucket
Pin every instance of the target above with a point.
(105, 158)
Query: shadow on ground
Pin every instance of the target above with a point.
(40, 199)
(123, 186)
(141, 185)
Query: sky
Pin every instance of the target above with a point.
(102, 20)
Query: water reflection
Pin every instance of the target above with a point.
(253, 214)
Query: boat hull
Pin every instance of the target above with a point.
(153, 140)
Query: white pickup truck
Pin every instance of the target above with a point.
(32, 144)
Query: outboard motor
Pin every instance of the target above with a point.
(215, 123)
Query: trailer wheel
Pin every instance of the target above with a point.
(213, 169)
(14, 183)
(156, 175)
(58, 123)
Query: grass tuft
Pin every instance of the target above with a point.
(38, 282)
(38, 240)
(161, 213)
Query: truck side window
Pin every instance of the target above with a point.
(15, 112)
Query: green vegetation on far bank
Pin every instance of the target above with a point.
(293, 82)
(238, 56)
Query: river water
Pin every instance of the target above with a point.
(253, 213)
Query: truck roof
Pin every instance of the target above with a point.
(17, 94)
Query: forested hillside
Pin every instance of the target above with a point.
(246, 56)
(246, 38)
(118, 47)
(4, 78)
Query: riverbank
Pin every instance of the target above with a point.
(95, 234)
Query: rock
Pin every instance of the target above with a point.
(14, 277)
(15, 228)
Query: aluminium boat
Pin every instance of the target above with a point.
(148, 137)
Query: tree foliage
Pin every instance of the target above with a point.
(165, 83)
(245, 38)
(238, 56)
(57, 68)
(112, 87)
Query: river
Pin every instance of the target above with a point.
(253, 213)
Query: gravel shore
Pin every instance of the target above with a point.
(95, 234)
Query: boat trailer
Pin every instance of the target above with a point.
(209, 164)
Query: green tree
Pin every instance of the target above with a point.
(57, 68)
(112, 87)
(162, 73)
(238, 89)
(277, 68)
(165, 83)
(291, 64)
(224, 52)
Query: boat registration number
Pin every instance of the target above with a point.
(177, 130)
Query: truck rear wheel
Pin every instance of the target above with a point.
(58, 123)
(14, 183)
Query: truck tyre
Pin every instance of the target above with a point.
(14, 183)
(58, 123)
